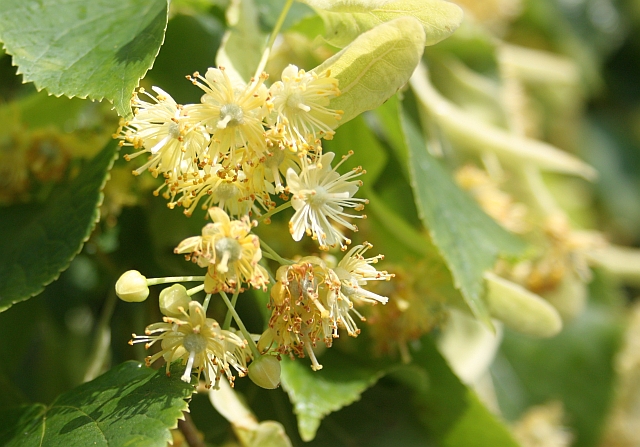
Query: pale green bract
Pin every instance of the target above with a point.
(344, 20)
(375, 66)
(242, 44)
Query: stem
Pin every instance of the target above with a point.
(276, 210)
(156, 281)
(190, 432)
(234, 300)
(272, 38)
(271, 254)
(195, 290)
(206, 302)
(243, 329)
(102, 339)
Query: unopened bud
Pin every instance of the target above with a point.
(265, 372)
(132, 287)
(172, 298)
(266, 340)
(520, 309)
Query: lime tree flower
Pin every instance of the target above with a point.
(354, 270)
(299, 107)
(298, 318)
(198, 342)
(213, 185)
(162, 129)
(232, 112)
(229, 251)
(310, 302)
(319, 196)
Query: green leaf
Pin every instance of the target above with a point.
(316, 394)
(375, 65)
(344, 21)
(129, 405)
(242, 44)
(97, 49)
(452, 412)
(40, 241)
(469, 240)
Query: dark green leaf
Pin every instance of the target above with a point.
(469, 240)
(38, 242)
(130, 405)
(97, 49)
(452, 412)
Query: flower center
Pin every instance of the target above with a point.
(227, 250)
(226, 191)
(274, 159)
(318, 197)
(295, 103)
(195, 343)
(174, 130)
(230, 115)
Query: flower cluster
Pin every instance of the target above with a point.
(241, 150)
(235, 149)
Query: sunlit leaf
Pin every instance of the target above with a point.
(97, 49)
(129, 405)
(243, 42)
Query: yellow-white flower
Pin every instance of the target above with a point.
(212, 185)
(299, 107)
(198, 342)
(229, 251)
(233, 113)
(354, 270)
(162, 129)
(319, 196)
(298, 319)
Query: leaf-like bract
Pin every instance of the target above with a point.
(374, 66)
(345, 20)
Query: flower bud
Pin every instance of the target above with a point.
(266, 340)
(520, 309)
(132, 287)
(265, 372)
(173, 297)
